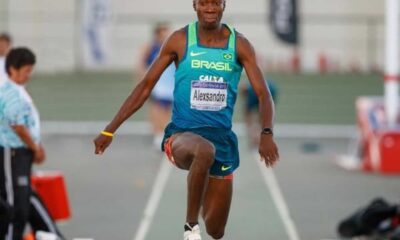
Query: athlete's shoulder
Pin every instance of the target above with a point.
(178, 35)
(176, 42)
(245, 50)
(242, 41)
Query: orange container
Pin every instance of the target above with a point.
(51, 188)
(389, 149)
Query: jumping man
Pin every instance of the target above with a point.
(209, 57)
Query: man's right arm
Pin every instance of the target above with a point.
(24, 135)
(15, 114)
(141, 92)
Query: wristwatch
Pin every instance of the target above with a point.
(267, 131)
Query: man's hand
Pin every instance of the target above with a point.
(39, 155)
(101, 142)
(268, 150)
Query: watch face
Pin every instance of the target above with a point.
(267, 131)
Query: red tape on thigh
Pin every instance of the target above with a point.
(168, 149)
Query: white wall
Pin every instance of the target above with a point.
(346, 42)
(3, 15)
(45, 26)
(52, 29)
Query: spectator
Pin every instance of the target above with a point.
(20, 146)
(161, 97)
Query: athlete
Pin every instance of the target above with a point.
(209, 57)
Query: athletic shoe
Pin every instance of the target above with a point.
(192, 233)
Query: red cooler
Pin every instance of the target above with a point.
(381, 146)
(51, 188)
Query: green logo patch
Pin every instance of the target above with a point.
(227, 56)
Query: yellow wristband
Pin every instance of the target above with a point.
(108, 134)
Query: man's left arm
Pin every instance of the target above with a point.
(247, 57)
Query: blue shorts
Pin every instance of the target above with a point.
(225, 143)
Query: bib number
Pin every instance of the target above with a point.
(210, 96)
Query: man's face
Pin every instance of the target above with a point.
(21, 76)
(209, 12)
(4, 47)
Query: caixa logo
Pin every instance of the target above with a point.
(209, 78)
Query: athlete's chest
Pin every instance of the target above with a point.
(219, 61)
(210, 76)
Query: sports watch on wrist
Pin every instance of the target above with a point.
(267, 131)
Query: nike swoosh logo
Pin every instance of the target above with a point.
(194, 54)
(223, 168)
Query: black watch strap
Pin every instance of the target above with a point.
(267, 131)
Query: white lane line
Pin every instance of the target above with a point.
(154, 200)
(144, 128)
(277, 197)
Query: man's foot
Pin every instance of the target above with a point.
(191, 233)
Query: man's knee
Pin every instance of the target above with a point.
(214, 232)
(214, 228)
(205, 151)
(189, 147)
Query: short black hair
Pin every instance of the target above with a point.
(19, 57)
(5, 37)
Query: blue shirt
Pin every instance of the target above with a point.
(163, 90)
(17, 108)
(154, 50)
